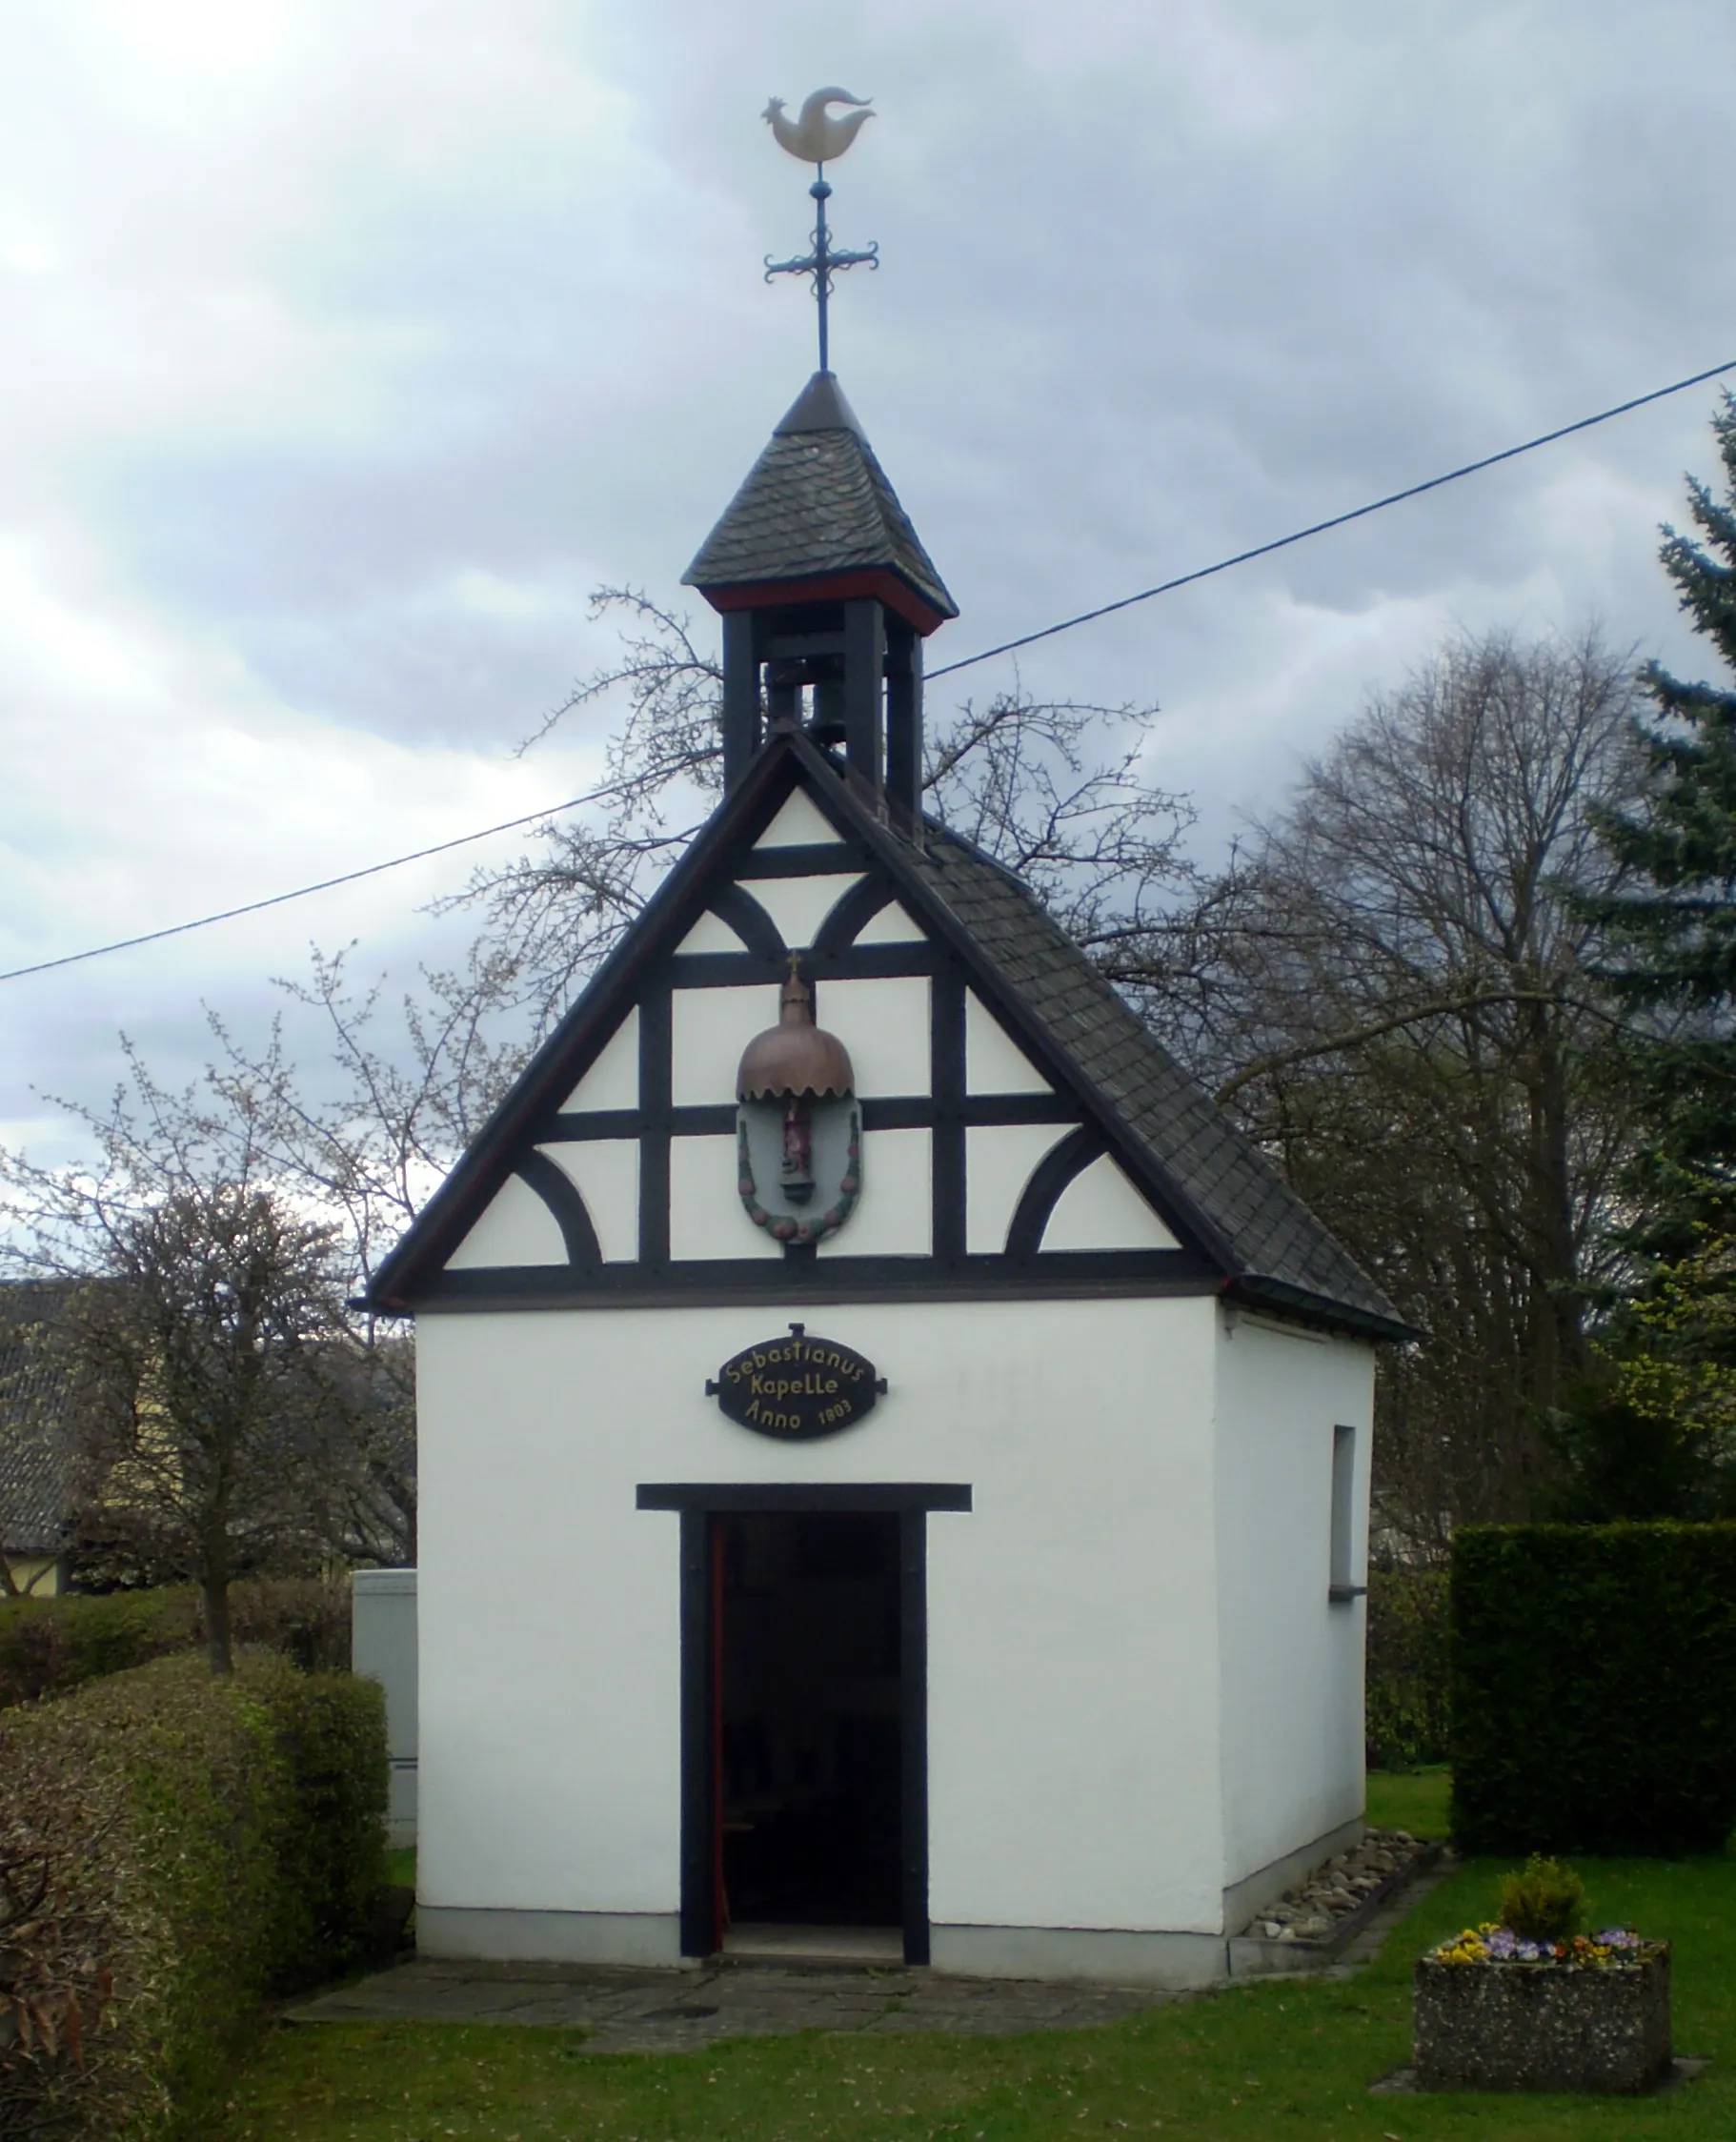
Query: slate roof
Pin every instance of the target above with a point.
(817, 501)
(1266, 1239)
(35, 1447)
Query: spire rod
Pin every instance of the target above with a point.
(814, 136)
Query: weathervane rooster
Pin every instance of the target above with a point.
(817, 138)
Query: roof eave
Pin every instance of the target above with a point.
(901, 595)
(1280, 1298)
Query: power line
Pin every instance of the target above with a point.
(325, 884)
(1338, 520)
(951, 668)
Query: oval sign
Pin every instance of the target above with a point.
(798, 1388)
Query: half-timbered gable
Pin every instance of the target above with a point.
(1022, 1132)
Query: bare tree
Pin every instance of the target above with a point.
(1391, 990)
(364, 1510)
(202, 1362)
(213, 1383)
(1051, 788)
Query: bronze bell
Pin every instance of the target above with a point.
(798, 1063)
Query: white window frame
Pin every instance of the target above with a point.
(1341, 1584)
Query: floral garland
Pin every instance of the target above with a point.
(1490, 1944)
(784, 1226)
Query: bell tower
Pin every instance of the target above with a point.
(826, 595)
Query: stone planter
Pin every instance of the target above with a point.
(1508, 2026)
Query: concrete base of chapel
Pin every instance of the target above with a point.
(1127, 1957)
(467, 1932)
(1243, 1899)
(1107, 1955)
(1099, 1955)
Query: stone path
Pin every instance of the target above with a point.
(625, 2011)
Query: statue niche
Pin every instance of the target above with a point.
(798, 1131)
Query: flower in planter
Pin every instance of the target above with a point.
(1540, 1914)
(1491, 1943)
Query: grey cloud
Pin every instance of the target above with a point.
(1152, 292)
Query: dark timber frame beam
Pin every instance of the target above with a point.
(904, 718)
(741, 696)
(864, 669)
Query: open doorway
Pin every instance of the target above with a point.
(865, 1592)
(808, 1645)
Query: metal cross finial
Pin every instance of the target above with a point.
(815, 137)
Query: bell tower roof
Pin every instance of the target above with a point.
(816, 519)
(822, 406)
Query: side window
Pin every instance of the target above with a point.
(1341, 1581)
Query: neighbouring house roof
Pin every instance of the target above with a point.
(36, 1469)
(816, 503)
(1268, 1247)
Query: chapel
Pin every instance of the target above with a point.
(893, 1459)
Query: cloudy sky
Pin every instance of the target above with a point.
(347, 348)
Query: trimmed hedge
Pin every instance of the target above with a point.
(50, 1646)
(1594, 1688)
(47, 1645)
(305, 1618)
(1406, 1713)
(330, 1853)
(186, 1847)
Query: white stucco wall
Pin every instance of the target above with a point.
(1291, 1660)
(1139, 1695)
(891, 1217)
(613, 1081)
(994, 1062)
(1074, 1685)
(516, 1228)
(799, 905)
(890, 926)
(1000, 1160)
(799, 823)
(1100, 1209)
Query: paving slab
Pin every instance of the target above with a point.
(623, 2011)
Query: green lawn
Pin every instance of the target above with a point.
(1254, 2064)
(1413, 1800)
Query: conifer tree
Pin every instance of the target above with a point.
(1673, 925)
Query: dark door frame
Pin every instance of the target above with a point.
(698, 1504)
